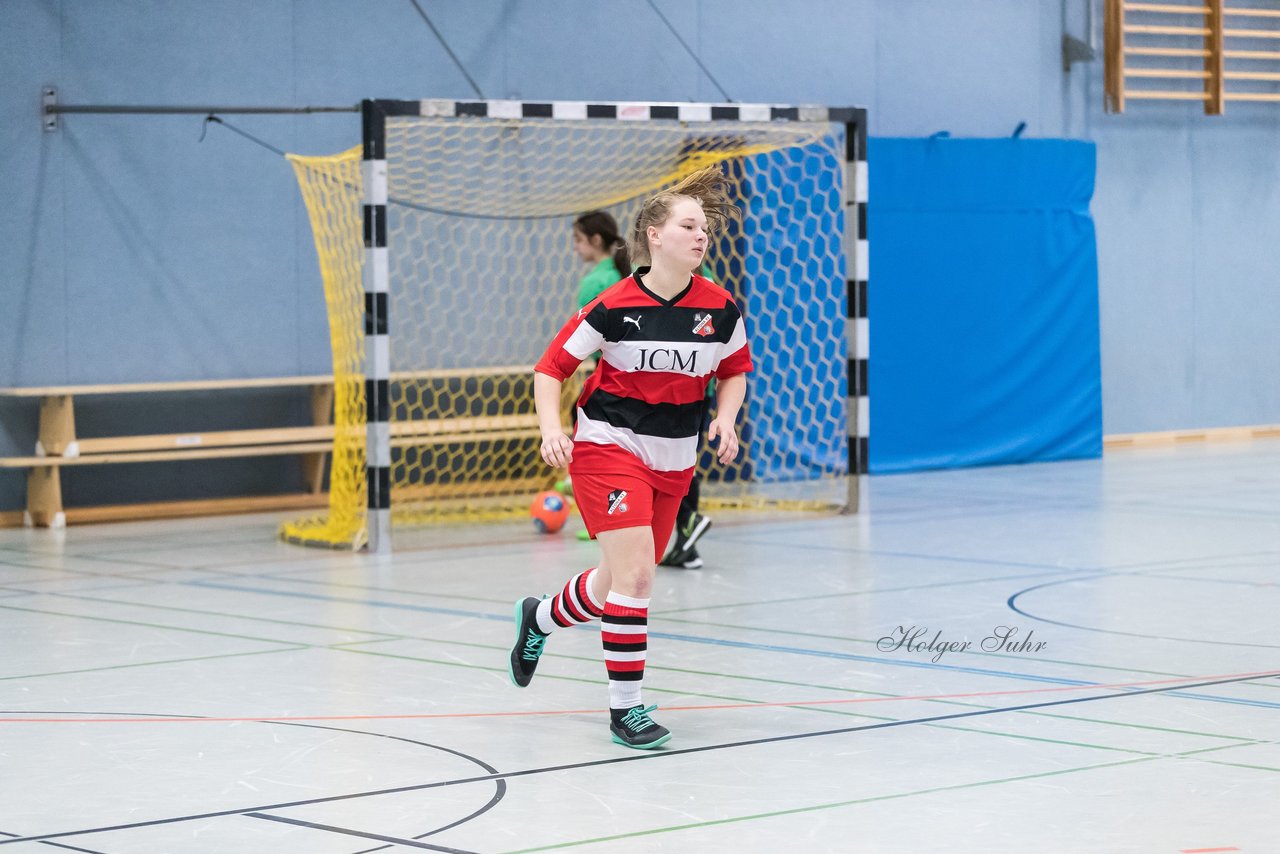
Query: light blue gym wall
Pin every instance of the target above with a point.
(130, 250)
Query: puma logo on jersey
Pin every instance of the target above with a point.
(702, 325)
(617, 501)
(635, 320)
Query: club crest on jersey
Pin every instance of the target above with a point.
(702, 325)
(617, 501)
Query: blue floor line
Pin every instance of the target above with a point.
(790, 650)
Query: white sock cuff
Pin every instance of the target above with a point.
(546, 625)
(624, 695)
(626, 601)
(591, 594)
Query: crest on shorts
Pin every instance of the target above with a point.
(702, 325)
(617, 501)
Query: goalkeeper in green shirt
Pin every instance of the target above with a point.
(596, 240)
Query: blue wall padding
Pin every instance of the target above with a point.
(983, 303)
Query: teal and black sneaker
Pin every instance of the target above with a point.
(529, 642)
(634, 728)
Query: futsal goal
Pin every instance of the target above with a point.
(444, 242)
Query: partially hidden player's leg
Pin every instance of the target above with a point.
(689, 528)
(628, 554)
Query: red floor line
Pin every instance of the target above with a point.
(1205, 850)
(707, 707)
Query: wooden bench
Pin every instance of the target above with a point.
(58, 445)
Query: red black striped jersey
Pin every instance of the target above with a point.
(648, 394)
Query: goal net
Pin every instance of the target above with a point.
(481, 274)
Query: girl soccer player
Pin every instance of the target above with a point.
(597, 242)
(663, 333)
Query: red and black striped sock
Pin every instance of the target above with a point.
(573, 605)
(624, 631)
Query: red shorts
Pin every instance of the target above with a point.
(608, 502)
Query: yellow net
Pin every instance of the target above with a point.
(331, 189)
(482, 275)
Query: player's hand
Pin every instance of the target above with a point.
(557, 450)
(728, 450)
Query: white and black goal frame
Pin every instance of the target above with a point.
(376, 270)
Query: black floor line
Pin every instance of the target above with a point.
(408, 843)
(660, 754)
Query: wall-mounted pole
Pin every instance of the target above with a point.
(1214, 62)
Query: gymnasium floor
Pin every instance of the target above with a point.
(197, 686)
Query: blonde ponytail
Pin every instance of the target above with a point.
(708, 187)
